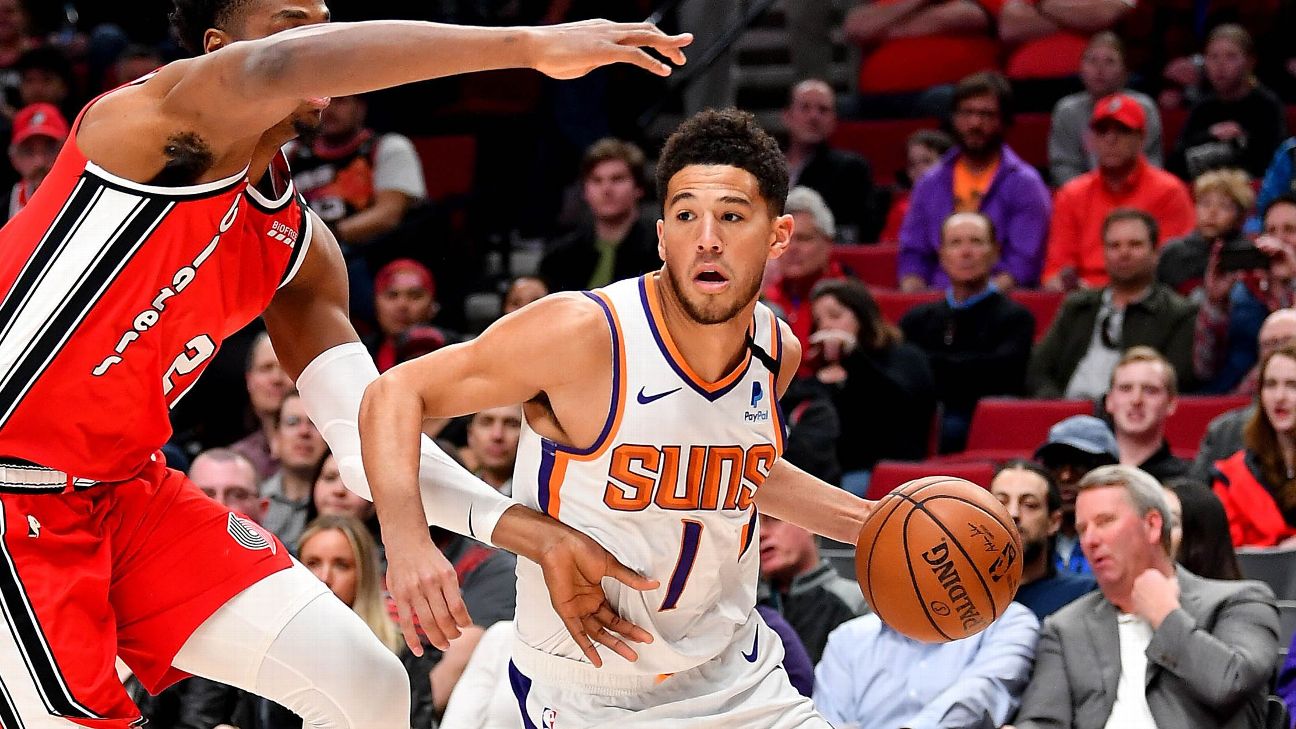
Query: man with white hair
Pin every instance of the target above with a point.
(1156, 646)
(843, 178)
(977, 339)
(807, 261)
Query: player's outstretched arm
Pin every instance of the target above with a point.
(550, 349)
(253, 85)
(790, 494)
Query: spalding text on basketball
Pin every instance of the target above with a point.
(943, 568)
(714, 478)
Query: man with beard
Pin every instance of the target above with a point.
(1031, 496)
(168, 225)
(652, 425)
(39, 131)
(1144, 392)
(1095, 326)
(981, 174)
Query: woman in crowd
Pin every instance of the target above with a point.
(340, 551)
(882, 387)
(1201, 543)
(1223, 200)
(1257, 485)
(1239, 123)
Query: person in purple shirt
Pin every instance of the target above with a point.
(981, 174)
(796, 661)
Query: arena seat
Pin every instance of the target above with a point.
(1274, 567)
(1008, 427)
(449, 164)
(887, 475)
(894, 304)
(1028, 137)
(1286, 625)
(875, 265)
(1184, 429)
(1043, 305)
(881, 142)
(1172, 124)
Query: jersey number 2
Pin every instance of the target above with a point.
(197, 350)
(684, 566)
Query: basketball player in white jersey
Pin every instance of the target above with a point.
(652, 426)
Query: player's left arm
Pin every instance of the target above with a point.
(792, 495)
(312, 336)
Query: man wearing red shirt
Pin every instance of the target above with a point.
(1122, 179)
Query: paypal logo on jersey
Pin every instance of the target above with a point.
(756, 416)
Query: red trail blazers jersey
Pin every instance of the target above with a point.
(115, 296)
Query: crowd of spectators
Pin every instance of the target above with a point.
(1173, 255)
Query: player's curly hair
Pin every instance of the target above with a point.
(192, 18)
(727, 137)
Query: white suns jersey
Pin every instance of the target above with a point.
(667, 488)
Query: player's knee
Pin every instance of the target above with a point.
(375, 692)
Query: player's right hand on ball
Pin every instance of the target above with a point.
(571, 50)
(574, 569)
(424, 584)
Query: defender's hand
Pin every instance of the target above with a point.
(424, 584)
(571, 50)
(574, 569)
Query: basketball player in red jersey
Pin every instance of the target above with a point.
(168, 222)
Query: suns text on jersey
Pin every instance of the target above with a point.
(686, 478)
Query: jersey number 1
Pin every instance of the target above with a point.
(684, 566)
(197, 350)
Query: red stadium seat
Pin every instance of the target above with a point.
(1043, 305)
(1028, 137)
(449, 164)
(887, 475)
(875, 265)
(894, 304)
(1017, 427)
(881, 142)
(1185, 428)
(1172, 124)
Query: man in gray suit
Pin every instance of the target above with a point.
(1157, 646)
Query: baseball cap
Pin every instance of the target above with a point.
(1083, 433)
(1122, 109)
(39, 120)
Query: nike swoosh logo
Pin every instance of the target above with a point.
(751, 658)
(645, 399)
(471, 533)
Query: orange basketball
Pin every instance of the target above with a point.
(939, 559)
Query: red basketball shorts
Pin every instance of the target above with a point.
(126, 569)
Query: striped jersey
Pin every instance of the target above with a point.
(115, 295)
(667, 488)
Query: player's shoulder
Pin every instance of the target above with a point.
(565, 319)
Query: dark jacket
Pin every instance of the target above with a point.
(570, 260)
(1182, 263)
(1165, 465)
(885, 406)
(845, 181)
(1163, 320)
(813, 430)
(1259, 113)
(975, 351)
(815, 603)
